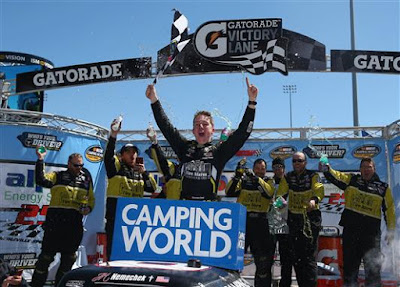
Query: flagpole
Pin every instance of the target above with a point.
(353, 74)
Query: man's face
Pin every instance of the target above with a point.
(75, 165)
(279, 170)
(299, 163)
(367, 170)
(260, 169)
(129, 157)
(203, 130)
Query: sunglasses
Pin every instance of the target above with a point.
(278, 166)
(298, 160)
(77, 165)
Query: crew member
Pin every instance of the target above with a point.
(126, 178)
(366, 199)
(304, 190)
(71, 198)
(252, 191)
(169, 169)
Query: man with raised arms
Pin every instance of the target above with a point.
(202, 162)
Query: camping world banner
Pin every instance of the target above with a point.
(174, 230)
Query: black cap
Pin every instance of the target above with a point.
(278, 160)
(127, 147)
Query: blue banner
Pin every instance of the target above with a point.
(23, 204)
(170, 230)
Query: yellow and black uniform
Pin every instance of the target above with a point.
(365, 203)
(170, 171)
(256, 194)
(123, 181)
(303, 226)
(63, 229)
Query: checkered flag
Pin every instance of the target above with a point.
(273, 56)
(179, 39)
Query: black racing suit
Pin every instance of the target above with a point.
(304, 226)
(170, 172)
(256, 194)
(202, 165)
(123, 181)
(361, 220)
(63, 229)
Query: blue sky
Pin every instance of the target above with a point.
(79, 32)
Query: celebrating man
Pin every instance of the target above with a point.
(203, 162)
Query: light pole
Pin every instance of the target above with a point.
(353, 74)
(290, 89)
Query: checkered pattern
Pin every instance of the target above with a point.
(304, 53)
(179, 29)
(331, 208)
(179, 39)
(19, 232)
(272, 57)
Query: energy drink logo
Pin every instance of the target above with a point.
(396, 153)
(332, 151)
(254, 44)
(366, 151)
(282, 152)
(94, 153)
(33, 140)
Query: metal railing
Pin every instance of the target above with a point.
(50, 121)
(56, 122)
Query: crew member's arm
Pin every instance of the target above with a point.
(163, 165)
(283, 188)
(233, 187)
(389, 210)
(91, 198)
(46, 180)
(340, 179)
(317, 190)
(150, 185)
(110, 160)
(268, 187)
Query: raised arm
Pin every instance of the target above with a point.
(42, 179)
(242, 133)
(175, 139)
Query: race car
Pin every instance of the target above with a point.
(147, 273)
